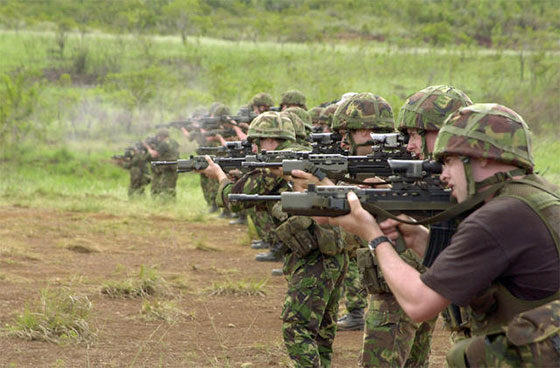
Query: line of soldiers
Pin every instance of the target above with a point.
(491, 270)
(137, 160)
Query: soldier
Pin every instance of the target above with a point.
(137, 163)
(305, 118)
(261, 102)
(314, 269)
(315, 114)
(389, 335)
(421, 117)
(292, 98)
(301, 131)
(164, 178)
(326, 117)
(502, 262)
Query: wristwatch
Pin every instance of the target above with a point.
(375, 242)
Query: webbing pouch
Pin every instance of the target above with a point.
(296, 234)
(368, 269)
(329, 239)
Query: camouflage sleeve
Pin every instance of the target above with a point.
(254, 182)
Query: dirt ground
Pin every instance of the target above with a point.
(42, 248)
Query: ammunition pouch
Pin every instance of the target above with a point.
(329, 239)
(352, 243)
(531, 339)
(297, 234)
(370, 273)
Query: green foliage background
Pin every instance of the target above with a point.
(80, 82)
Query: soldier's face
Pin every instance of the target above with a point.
(361, 136)
(415, 143)
(454, 175)
(268, 144)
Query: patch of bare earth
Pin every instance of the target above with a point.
(40, 248)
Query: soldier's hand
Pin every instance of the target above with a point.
(415, 236)
(359, 221)
(375, 179)
(213, 171)
(301, 179)
(277, 171)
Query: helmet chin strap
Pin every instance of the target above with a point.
(471, 185)
(425, 152)
(474, 186)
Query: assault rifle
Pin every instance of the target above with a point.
(334, 166)
(131, 150)
(199, 163)
(407, 195)
(229, 162)
(231, 149)
(128, 153)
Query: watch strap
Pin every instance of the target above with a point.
(375, 242)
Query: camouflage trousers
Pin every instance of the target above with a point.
(391, 338)
(264, 224)
(209, 189)
(164, 182)
(137, 184)
(310, 310)
(354, 293)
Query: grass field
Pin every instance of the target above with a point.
(70, 233)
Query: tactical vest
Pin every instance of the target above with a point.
(496, 306)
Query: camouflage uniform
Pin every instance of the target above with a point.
(314, 279)
(164, 178)
(390, 336)
(139, 174)
(507, 331)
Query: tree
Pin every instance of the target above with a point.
(186, 15)
(19, 94)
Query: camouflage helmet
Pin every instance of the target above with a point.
(327, 115)
(364, 111)
(346, 96)
(427, 109)
(261, 99)
(213, 107)
(221, 110)
(486, 131)
(293, 97)
(315, 114)
(162, 133)
(299, 127)
(271, 124)
(304, 116)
